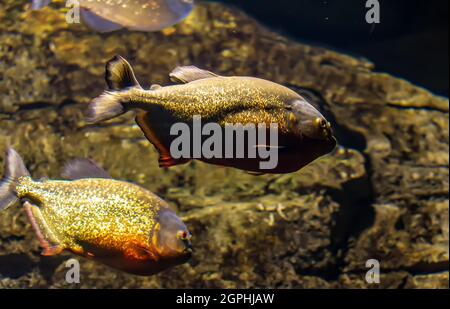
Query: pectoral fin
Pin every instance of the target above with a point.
(268, 147)
(135, 252)
(165, 159)
(189, 74)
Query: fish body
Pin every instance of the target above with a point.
(117, 223)
(303, 132)
(141, 15)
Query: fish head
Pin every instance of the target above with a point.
(171, 237)
(305, 120)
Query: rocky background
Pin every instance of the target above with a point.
(383, 194)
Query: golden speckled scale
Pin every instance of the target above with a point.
(81, 210)
(215, 98)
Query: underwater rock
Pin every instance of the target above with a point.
(383, 194)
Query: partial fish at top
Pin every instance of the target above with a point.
(141, 15)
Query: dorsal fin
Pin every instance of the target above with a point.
(119, 74)
(165, 158)
(189, 74)
(83, 168)
(155, 87)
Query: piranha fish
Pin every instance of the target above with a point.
(141, 15)
(114, 222)
(303, 133)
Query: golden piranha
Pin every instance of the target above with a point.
(303, 133)
(142, 15)
(114, 222)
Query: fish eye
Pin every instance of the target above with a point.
(183, 235)
(321, 122)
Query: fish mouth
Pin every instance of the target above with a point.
(327, 137)
(323, 146)
(331, 138)
(327, 131)
(332, 141)
(186, 255)
(188, 250)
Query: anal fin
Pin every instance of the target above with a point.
(52, 250)
(165, 159)
(169, 162)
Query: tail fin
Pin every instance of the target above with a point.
(119, 77)
(14, 168)
(39, 4)
(104, 107)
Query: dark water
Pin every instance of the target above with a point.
(411, 41)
